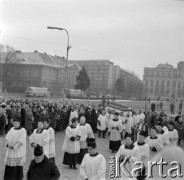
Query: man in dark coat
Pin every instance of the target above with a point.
(41, 168)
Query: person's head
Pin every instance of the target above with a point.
(108, 110)
(103, 112)
(38, 153)
(46, 123)
(82, 120)
(128, 114)
(159, 127)
(40, 124)
(129, 140)
(116, 115)
(180, 119)
(142, 136)
(16, 121)
(153, 132)
(91, 144)
(74, 122)
(170, 126)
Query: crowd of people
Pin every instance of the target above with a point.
(146, 134)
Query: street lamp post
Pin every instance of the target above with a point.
(66, 65)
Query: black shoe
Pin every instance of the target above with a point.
(71, 167)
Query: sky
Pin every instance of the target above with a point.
(131, 33)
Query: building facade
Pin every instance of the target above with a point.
(164, 81)
(100, 73)
(38, 70)
(103, 75)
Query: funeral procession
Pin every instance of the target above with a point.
(92, 90)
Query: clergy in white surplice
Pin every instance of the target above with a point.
(163, 135)
(86, 132)
(71, 145)
(143, 148)
(52, 151)
(101, 124)
(40, 136)
(132, 153)
(15, 151)
(154, 142)
(173, 134)
(115, 129)
(93, 166)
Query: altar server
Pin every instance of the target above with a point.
(52, 151)
(143, 148)
(93, 166)
(71, 145)
(173, 134)
(162, 135)
(86, 133)
(155, 143)
(15, 151)
(115, 129)
(132, 154)
(40, 136)
(101, 124)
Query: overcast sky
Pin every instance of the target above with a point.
(132, 33)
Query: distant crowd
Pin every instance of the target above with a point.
(145, 133)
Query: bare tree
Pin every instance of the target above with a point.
(7, 55)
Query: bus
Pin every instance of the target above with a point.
(37, 92)
(75, 93)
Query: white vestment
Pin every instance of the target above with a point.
(93, 167)
(17, 139)
(42, 139)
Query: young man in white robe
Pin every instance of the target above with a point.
(52, 151)
(132, 153)
(71, 145)
(86, 133)
(115, 129)
(173, 134)
(101, 125)
(154, 142)
(122, 118)
(15, 151)
(162, 135)
(143, 148)
(93, 166)
(73, 114)
(40, 136)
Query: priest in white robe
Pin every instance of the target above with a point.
(155, 143)
(132, 153)
(86, 133)
(162, 135)
(52, 151)
(93, 166)
(40, 136)
(71, 145)
(115, 129)
(15, 151)
(143, 148)
(101, 124)
(173, 134)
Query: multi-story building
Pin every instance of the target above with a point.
(39, 70)
(100, 73)
(164, 81)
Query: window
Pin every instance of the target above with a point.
(168, 83)
(157, 82)
(179, 84)
(162, 83)
(174, 84)
(152, 81)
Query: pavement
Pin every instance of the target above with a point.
(66, 173)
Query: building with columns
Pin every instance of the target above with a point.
(164, 81)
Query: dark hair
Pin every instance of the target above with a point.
(154, 128)
(91, 143)
(74, 120)
(47, 120)
(142, 133)
(131, 137)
